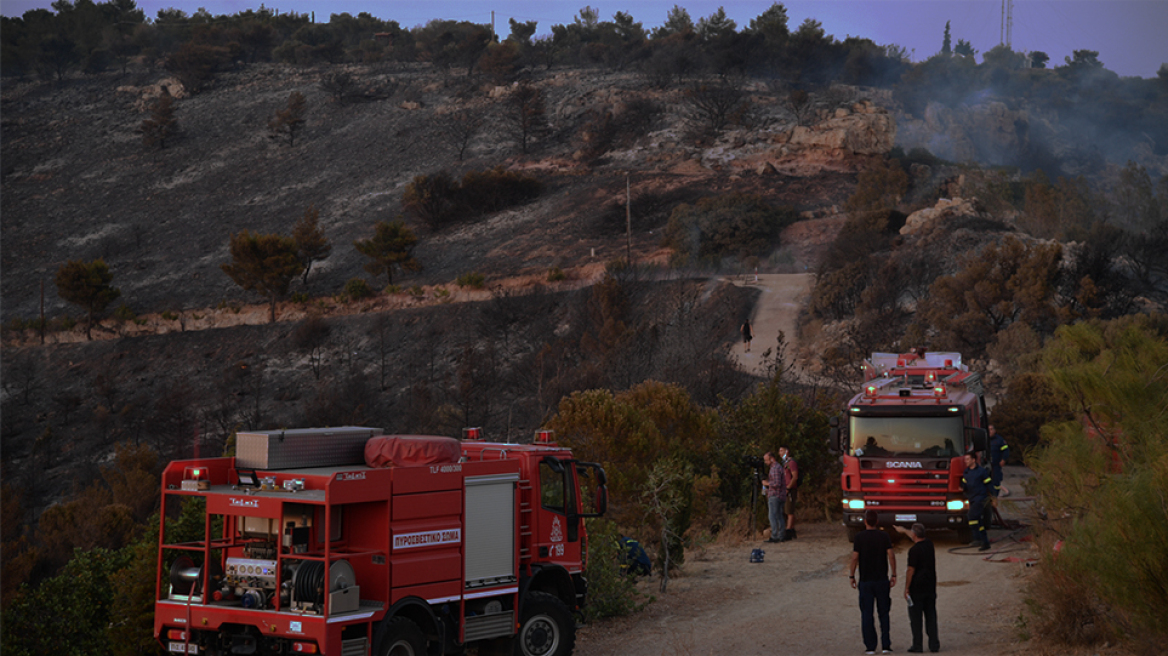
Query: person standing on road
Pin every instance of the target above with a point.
(747, 333)
(999, 454)
(976, 483)
(920, 588)
(776, 492)
(791, 474)
(872, 553)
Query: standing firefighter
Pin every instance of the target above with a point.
(976, 483)
(999, 453)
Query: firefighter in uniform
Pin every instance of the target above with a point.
(999, 453)
(976, 483)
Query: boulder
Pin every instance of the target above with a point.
(946, 209)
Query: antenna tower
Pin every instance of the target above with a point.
(1006, 36)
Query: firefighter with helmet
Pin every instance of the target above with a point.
(976, 482)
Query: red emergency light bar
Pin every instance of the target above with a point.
(545, 436)
(472, 434)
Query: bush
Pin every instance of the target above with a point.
(357, 289)
(417, 292)
(556, 274)
(732, 225)
(300, 298)
(474, 280)
(439, 201)
(169, 316)
(442, 294)
(610, 594)
(124, 313)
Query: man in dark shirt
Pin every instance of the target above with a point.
(920, 588)
(872, 552)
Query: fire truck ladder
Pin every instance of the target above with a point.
(525, 517)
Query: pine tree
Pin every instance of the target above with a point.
(290, 120)
(311, 243)
(265, 264)
(87, 284)
(392, 245)
(947, 43)
(162, 124)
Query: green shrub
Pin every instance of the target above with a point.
(731, 225)
(417, 292)
(438, 200)
(300, 298)
(357, 289)
(393, 289)
(15, 324)
(474, 280)
(124, 313)
(610, 594)
(556, 274)
(64, 323)
(442, 294)
(169, 316)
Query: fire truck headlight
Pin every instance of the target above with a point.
(855, 504)
(956, 504)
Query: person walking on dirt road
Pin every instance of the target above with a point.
(791, 474)
(747, 333)
(776, 492)
(872, 552)
(920, 588)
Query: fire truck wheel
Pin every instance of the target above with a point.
(402, 638)
(546, 628)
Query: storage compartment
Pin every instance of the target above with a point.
(304, 447)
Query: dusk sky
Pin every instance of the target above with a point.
(1128, 34)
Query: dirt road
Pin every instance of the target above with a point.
(799, 601)
(782, 294)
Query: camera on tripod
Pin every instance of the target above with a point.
(756, 462)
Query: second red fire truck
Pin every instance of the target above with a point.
(347, 542)
(903, 440)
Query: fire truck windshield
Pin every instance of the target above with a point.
(930, 437)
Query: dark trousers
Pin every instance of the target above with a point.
(874, 593)
(977, 520)
(926, 606)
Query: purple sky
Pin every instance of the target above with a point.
(1128, 34)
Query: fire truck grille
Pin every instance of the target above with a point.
(897, 489)
(354, 647)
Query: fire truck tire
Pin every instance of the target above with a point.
(546, 627)
(402, 638)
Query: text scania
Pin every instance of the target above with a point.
(904, 465)
(427, 538)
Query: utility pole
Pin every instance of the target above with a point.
(628, 221)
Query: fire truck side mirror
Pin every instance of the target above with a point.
(600, 492)
(838, 435)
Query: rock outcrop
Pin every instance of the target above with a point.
(945, 210)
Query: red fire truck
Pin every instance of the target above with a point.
(344, 542)
(904, 438)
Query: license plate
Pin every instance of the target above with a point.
(177, 647)
(906, 518)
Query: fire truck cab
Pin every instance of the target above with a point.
(349, 542)
(903, 439)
